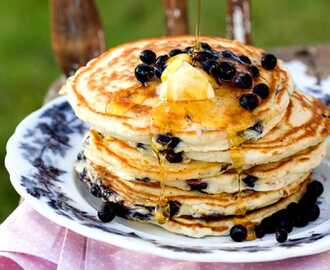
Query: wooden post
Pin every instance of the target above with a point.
(77, 34)
(176, 20)
(239, 20)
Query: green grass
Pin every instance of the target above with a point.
(27, 66)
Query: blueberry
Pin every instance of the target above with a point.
(189, 49)
(268, 225)
(315, 188)
(159, 68)
(173, 157)
(167, 140)
(312, 212)
(228, 54)
(268, 61)
(204, 56)
(197, 185)
(293, 209)
(262, 90)
(238, 233)
(161, 60)
(307, 199)
(144, 73)
(300, 220)
(175, 52)
(281, 235)
(254, 71)
(174, 207)
(243, 80)
(249, 101)
(225, 71)
(148, 57)
(141, 146)
(95, 190)
(107, 212)
(259, 231)
(245, 59)
(205, 46)
(210, 66)
(286, 223)
(250, 180)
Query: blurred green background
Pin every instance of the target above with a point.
(27, 66)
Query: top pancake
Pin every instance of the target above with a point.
(107, 95)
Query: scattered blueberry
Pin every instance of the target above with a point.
(107, 212)
(300, 220)
(315, 188)
(245, 59)
(259, 231)
(249, 101)
(148, 57)
(250, 180)
(293, 208)
(261, 90)
(175, 52)
(144, 73)
(243, 80)
(238, 233)
(159, 70)
(286, 223)
(312, 212)
(281, 235)
(173, 157)
(268, 225)
(95, 190)
(268, 61)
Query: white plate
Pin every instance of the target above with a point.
(40, 157)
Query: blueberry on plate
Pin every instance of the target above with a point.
(107, 212)
(259, 231)
(238, 233)
(281, 235)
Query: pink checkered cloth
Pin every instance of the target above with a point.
(31, 242)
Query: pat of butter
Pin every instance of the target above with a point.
(183, 82)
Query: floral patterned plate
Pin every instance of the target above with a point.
(40, 157)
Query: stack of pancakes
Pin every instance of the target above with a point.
(194, 167)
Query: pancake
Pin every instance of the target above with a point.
(192, 203)
(129, 163)
(207, 225)
(107, 95)
(305, 124)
